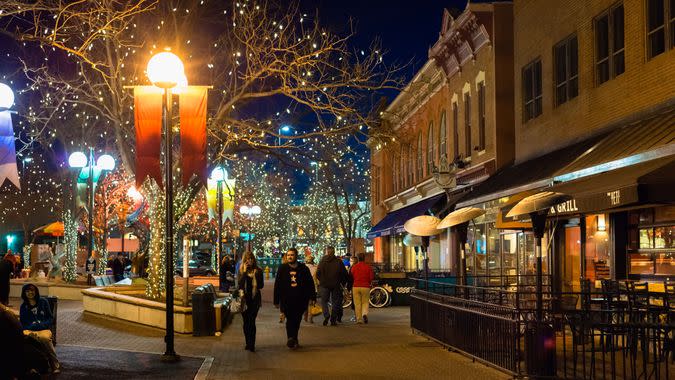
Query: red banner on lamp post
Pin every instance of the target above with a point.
(193, 102)
(148, 124)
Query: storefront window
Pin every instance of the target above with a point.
(654, 253)
(494, 262)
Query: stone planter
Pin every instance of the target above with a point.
(125, 303)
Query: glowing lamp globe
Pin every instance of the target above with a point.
(77, 160)
(6, 96)
(285, 128)
(218, 174)
(244, 209)
(165, 70)
(105, 162)
(134, 194)
(255, 210)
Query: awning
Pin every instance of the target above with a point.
(393, 222)
(649, 182)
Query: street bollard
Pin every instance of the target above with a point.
(267, 273)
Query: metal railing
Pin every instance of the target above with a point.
(586, 337)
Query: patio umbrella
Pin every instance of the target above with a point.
(460, 216)
(538, 202)
(54, 229)
(423, 225)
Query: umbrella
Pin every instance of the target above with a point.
(423, 225)
(54, 229)
(460, 216)
(538, 202)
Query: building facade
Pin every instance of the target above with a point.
(453, 127)
(594, 119)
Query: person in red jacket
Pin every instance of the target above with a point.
(363, 276)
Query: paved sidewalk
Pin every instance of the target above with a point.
(383, 349)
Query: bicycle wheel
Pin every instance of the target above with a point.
(346, 298)
(378, 297)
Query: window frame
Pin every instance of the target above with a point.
(431, 154)
(443, 137)
(481, 116)
(569, 76)
(537, 99)
(455, 130)
(467, 124)
(612, 52)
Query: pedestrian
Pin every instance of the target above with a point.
(250, 283)
(332, 276)
(309, 261)
(118, 267)
(362, 275)
(293, 291)
(6, 269)
(36, 318)
(282, 317)
(226, 274)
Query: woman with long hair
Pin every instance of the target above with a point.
(250, 283)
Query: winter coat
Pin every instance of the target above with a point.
(246, 284)
(38, 317)
(362, 275)
(293, 287)
(331, 272)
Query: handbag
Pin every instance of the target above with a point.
(315, 310)
(238, 305)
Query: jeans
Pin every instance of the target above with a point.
(293, 318)
(249, 317)
(335, 296)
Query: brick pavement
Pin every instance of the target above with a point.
(384, 349)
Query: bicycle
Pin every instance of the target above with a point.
(379, 297)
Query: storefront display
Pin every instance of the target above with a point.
(651, 242)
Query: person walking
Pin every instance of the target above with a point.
(226, 274)
(118, 267)
(363, 276)
(250, 283)
(36, 318)
(309, 261)
(332, 276)
(6, 270)
(293, 290)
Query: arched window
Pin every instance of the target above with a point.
(420, 159)
(431, 154)
(443, 137)
(402, 175)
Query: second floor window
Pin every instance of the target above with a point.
(532, 90)
(455, 131)
(443, 137)
(467, 124)
(411, 164)
(431, 153)
(609, 45)
(566, 70)
(420, 160)
(481, 116)
(660, 26)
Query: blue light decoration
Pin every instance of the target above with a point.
(246, 236)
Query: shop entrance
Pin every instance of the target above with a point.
(572, 260)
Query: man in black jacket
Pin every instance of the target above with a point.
(293, 290)
(332, 276)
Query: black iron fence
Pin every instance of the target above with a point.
(582, 335)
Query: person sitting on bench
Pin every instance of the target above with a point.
(36, 318)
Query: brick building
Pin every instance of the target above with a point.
(594, 119)
(454, 127)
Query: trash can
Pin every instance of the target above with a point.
(540, 350)
(53, 306)
(203, 313)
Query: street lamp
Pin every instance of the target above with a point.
(250, 212)
(165, 70)
(91, 168)
(6, 97)
(219, 175)
(282, 129)
(316, 170)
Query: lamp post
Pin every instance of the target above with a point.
(316, 170)
(166, 71)
(92, 167)
(250, 212)
(219, 175)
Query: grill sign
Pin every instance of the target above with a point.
(565, 207)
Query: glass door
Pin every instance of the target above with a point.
(572, 260)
